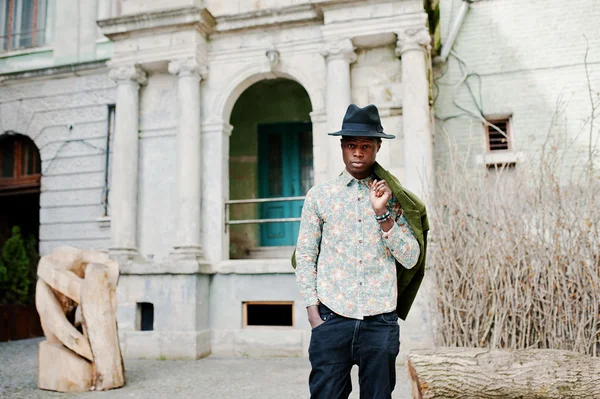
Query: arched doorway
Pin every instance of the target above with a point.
(20, 178)
(270, 156)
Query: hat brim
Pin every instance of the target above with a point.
(362, 133)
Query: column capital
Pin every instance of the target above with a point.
(128, 73)
(340, 49)
(187, 67)
(413, 39)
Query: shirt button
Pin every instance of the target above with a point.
(359, 198)
(360, 261)
(359, 220)
(360, 241)
(360, 283)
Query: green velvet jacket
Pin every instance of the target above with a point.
(409, 280)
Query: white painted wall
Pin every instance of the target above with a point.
(53, 112)
(528, 54)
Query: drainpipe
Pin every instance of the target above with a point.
(447, 47)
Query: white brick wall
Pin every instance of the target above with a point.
(51, 112)
(528, 54)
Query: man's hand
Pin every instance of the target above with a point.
(379, 194)
(314, 317)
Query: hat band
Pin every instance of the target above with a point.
(363, 127)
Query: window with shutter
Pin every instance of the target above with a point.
(22, 24)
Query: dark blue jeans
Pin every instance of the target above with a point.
(339, 343)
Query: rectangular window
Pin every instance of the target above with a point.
(22, 24)
(145, 316)
(268, 314)
(498, 140)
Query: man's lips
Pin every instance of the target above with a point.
(357, 163)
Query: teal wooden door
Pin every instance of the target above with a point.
(285, 170)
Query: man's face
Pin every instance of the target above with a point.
(359, 155)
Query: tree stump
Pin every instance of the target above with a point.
(508, 374)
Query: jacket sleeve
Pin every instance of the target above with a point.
(401, 241)
(307, 250)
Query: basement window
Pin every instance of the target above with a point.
(498, 140)
(145, 316)
(268, 314)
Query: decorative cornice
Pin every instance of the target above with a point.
(187, 67)
(128, 74)
(413, 39)
(340, 49)
(121, 27)
(305, 13)
(76, 69)
(374, 26)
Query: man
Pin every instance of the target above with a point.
(352, 234)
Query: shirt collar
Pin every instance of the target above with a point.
(346, 178)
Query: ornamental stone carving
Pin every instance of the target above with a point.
(187, 67)
(413, 39)
(128, 73)
(341, 49)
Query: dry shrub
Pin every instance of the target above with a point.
(516, 254)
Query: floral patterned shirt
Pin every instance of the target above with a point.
(343, 257)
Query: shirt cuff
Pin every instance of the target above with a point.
(386, 234)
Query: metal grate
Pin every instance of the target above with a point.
(498, 141)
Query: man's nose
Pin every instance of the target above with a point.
(358, 153)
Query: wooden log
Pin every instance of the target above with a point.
(484, 374)
(55, 323)
(62, 370)
(99, 319)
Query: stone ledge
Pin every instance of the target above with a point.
(499, 158)
(241, 266)
(304, 13)
(255, 266)
(121, 27)
(76, 69)
(177, 267)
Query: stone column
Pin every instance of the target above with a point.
(413, 46)
(189, 159)
(125, 160)
(215, 189)
(339, 55)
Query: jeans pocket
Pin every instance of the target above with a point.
(325, 317)
(389, 318)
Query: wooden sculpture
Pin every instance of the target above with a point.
(76, 299)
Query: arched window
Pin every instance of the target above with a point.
(20, 165)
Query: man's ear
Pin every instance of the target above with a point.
(378, 146)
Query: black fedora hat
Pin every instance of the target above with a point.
(362, 122)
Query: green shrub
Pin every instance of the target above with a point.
(15, 276)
